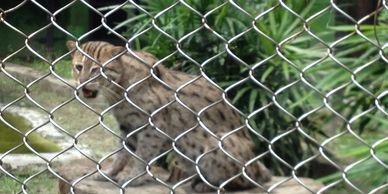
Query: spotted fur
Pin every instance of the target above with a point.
(160, 126)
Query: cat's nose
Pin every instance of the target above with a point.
(82, 80)
(90, 85)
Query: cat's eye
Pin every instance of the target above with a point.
(78, 67)
(95, 69)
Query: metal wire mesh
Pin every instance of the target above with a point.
(276, 100)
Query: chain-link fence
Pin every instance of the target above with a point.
(301, 85)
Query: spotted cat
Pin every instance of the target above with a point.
(163, 109)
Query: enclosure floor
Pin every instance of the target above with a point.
(73, 170)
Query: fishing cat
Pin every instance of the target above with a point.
(163, 109)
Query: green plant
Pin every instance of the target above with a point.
(248, 50)
(43, 183)
(368, 174)
(10, 138)
(62, 68)
(363, 59)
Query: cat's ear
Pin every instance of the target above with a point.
(70, 45)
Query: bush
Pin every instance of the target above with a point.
(248, 67)
(271, 68)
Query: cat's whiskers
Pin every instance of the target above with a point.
(111, 95)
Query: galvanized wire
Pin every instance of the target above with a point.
(296, 127)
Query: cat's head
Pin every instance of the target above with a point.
(87, 71)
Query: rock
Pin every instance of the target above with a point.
(27, 75)
(74, 170)
(5, 166)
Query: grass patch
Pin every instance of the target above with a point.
(73, 117)
(63, 68)
(43, 183)
(9, 138)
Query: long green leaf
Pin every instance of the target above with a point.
(252, 100)
(240, 93)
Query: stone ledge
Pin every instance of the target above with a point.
(78, 168)
(27, 75)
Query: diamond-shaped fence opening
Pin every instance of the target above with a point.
(193, 96)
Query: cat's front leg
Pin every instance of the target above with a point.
(149, 145)
(118, 164)
(122, 158)
(134, 174)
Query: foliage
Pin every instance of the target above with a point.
(367, 174)
(273, 62)
(42, 183)
(362, 57)
(10, 138)
(226, 69)
(62, 68)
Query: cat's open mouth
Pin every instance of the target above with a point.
(89, 93)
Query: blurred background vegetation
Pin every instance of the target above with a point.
(350, 77)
